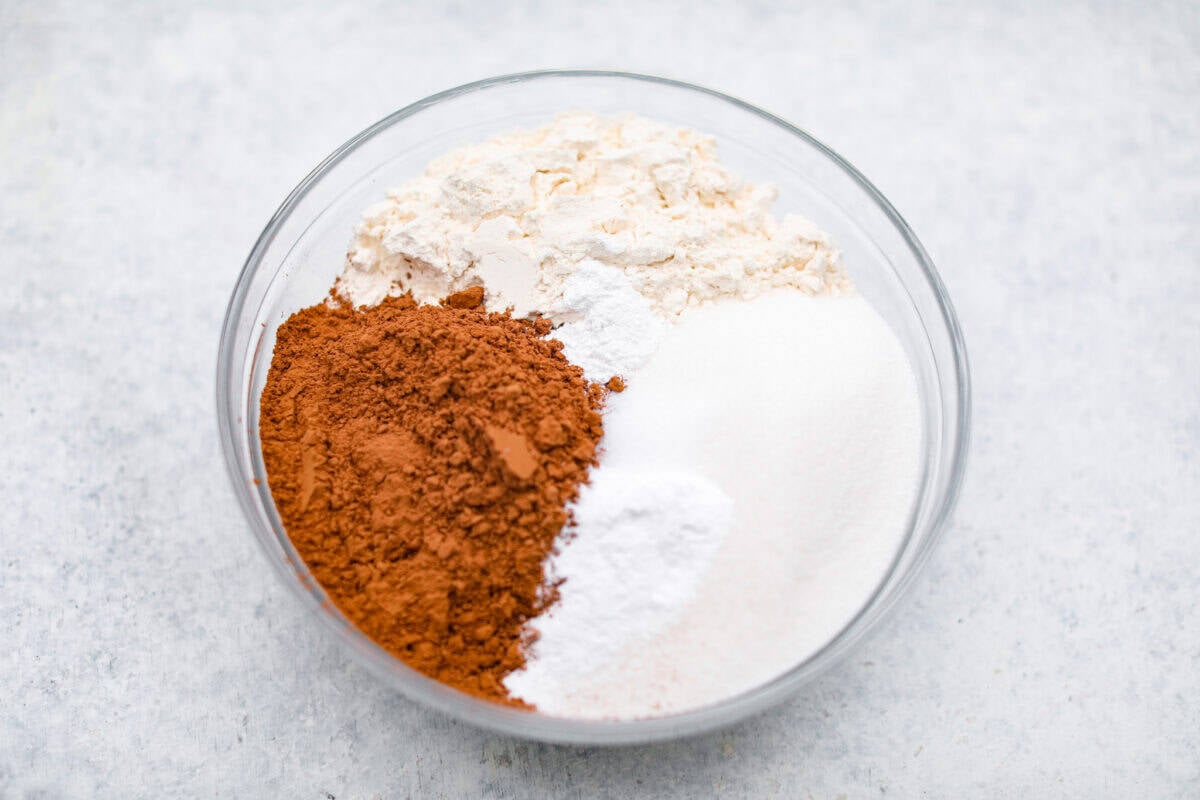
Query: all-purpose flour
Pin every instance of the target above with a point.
(519, 213)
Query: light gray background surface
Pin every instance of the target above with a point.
(1047, 154)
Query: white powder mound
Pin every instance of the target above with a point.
(608, 327)
(641, 544)
(804, 411)
(519, 213)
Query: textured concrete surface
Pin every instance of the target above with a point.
(1047, 154)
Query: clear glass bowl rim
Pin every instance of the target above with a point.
(573, 731)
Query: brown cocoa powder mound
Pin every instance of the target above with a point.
(421, 459)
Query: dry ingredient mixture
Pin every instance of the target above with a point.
(584, 428)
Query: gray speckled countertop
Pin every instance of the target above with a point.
(1049, 158)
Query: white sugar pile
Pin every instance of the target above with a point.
(804, 412)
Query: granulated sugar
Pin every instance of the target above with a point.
(804, 411)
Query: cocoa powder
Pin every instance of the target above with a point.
(421, 459)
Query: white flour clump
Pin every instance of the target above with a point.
(519, 213)
(641, 544)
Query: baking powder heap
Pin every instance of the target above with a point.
(640, 544)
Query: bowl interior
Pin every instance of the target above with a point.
(303, 248)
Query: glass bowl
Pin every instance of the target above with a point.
(302, 248)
